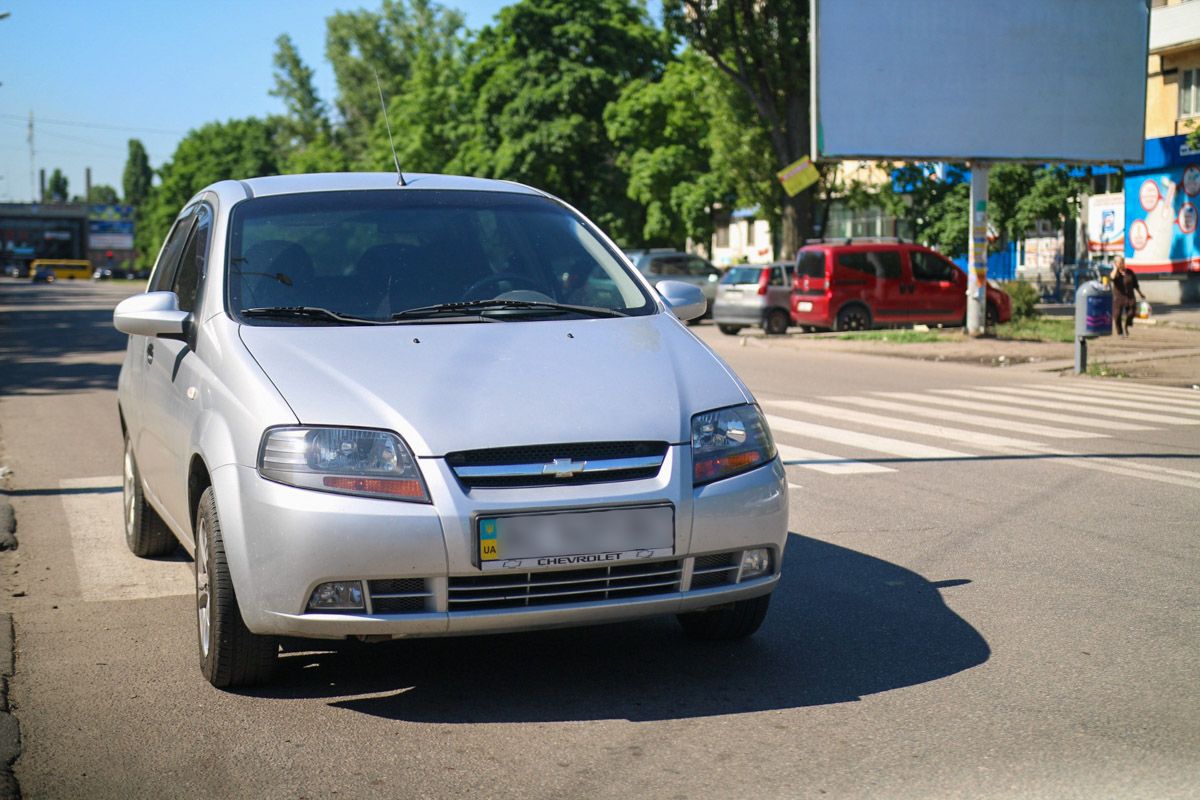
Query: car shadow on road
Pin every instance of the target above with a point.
(842, 625)
(54, 351)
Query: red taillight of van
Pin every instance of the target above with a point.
(764, 280)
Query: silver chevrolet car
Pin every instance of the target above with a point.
(449, 406)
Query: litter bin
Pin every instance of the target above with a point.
(1093, 317)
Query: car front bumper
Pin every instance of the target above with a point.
(282, 542)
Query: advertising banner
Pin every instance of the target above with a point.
(1106, 223)
(110, 227)
(1161, 197)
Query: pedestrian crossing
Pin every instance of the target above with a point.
(879, 432)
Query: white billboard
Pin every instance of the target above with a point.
(957, 80)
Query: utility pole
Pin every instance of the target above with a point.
(977, 255)
(32, 182)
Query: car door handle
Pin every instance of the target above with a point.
(149, 352)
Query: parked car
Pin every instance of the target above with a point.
(754, 295)
(674, 265)
(451, 407)
(858, 285)
(42, 275)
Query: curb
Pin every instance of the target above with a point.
(8, 526)
(10, 730)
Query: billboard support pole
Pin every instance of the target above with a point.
(977, 255)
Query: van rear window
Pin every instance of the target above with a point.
(811, 263)
(882, 264)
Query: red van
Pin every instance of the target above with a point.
(861, 285)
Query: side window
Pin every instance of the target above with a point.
(668, 266)
(928, 267)
(883, 264)
(699, 268)
(192, 264)
(777, 278)
(164, 268)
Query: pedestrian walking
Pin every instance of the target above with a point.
(1124, 285)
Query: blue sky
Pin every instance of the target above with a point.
(152, 68)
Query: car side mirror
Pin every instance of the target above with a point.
(152, 314)
(684, 299)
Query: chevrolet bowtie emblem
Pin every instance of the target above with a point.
(563, 467)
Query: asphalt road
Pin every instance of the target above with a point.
(960, 616)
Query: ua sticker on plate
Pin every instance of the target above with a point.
(489, 548)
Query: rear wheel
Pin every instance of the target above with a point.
(730, 330)
(854, 318)
(777, 321)
(230, 655)
(146, 534)
(726, 623)
(993, 317)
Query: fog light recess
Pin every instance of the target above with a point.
(337, 596)
(756, 563)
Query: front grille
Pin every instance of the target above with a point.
(513, 590)
(715, 570)
(398, 595)
(645, 462)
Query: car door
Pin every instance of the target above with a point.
(146, 445)
(940, 288)
(171, 387)
(779, 287)
(875, 276)
(704, 275)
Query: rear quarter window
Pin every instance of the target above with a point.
(880, 264)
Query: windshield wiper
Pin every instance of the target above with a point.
(519, 305)
(309, 313)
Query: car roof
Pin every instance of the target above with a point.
(352, 181)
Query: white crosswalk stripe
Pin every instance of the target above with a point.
(998, 410)
(1042, 402)
(105, 567)
(1166, 402)
(1166, 392)
(979, 420)
(1094, 414)
(1103, 400)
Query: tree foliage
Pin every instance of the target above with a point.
(137, 177)
(306, 117)
(56, 187)
(103, 194)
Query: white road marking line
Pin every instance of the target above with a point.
(824, 462)
(794, 485)
(970, 419)
(1101, 401)
(1165, 403)
(1133, 470)
(1078, 408)
(1169, 392)
(106, 568)
(908, 426)
(1017, 411)
(867, 441)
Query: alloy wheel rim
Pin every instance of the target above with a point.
(203, 595)
(127, 486)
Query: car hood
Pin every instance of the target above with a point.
(477, 385)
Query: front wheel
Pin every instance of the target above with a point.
(726, 623)
(146, 535)
(230, 655)
(777, 322)
(730, 330)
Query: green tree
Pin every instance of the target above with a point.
(762, 46)
(103, 194)
(362, 43)
(541, 79)
(56, 187)
(240, 148)
(306, 117)
(137, 177)
(661, 131)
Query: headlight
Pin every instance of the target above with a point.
(345, 460)
(728, 441)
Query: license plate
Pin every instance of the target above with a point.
(804, 305)
(583, 538)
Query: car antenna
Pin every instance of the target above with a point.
(386, 122)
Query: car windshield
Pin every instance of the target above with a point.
(374, 255)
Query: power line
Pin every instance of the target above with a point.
(97, 125)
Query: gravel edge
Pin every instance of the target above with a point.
(10, 730)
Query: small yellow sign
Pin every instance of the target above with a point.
(799, 176)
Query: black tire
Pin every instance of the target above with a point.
(726, 623)
(992, 318)
(730, 330)
(854, 317)
(146, 534)
(776, 323)
(230, 655)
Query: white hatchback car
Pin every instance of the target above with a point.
(447, 407)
